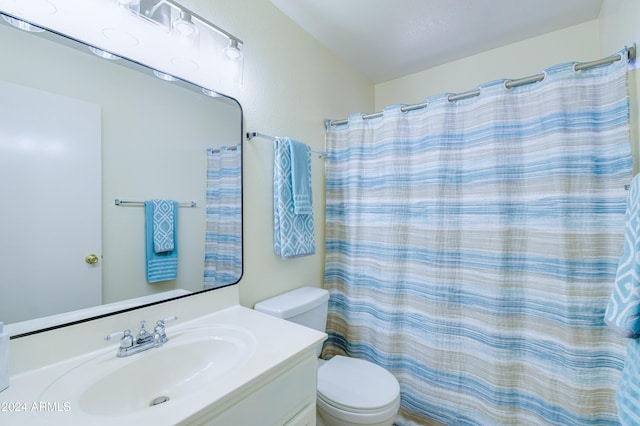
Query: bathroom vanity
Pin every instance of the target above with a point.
(234, 366)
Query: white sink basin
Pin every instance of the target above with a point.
(190, 362)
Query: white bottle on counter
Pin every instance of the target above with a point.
(4, 359)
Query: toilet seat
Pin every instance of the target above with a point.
(357, 386)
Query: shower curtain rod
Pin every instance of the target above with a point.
(141, 203)
(509, 84)
(251, 135)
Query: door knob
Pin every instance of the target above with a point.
(91, 259)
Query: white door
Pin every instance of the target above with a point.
(50, 203)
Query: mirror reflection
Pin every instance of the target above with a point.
(79, 132)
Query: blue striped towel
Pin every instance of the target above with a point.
(160, 266)
(293, 234)
(623, 310)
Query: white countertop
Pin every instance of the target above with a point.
(276, 343)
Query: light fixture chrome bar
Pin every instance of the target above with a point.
(202, 20)
(251, 135)
(141, 203)
(151, 10)
(509, 84)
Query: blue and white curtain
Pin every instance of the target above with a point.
(223, 235)
(471, 248)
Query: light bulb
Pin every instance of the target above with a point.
(184, 25)
(233, 51)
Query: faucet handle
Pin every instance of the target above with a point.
(159, 328)
(126, 339)
(168, 319)
(143, 335)
(112, 336)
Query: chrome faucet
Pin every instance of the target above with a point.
(143, 340)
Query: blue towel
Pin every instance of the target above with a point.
(160, 266)
(628, 393)
(162, 225)
(301, 177)
(623, 310)
(293, 234)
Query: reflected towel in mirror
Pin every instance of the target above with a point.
(162, 225)
(160, 266)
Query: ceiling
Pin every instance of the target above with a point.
(387, 39)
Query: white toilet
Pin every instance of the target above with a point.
(350, 391)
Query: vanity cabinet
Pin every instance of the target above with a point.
(285, 396)
(233, 367)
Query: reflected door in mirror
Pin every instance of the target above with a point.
(50, 221)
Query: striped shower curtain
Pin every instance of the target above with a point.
(471, 249)
(223, 235)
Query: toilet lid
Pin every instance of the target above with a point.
(356, 384)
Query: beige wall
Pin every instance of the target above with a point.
(291, 84)
(619, 26)
(579, 43)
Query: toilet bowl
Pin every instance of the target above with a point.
(350, 391)
(355, 392)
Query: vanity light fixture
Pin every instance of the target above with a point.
(25, 26)
(175, 18)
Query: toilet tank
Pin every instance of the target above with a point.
(305, 306)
